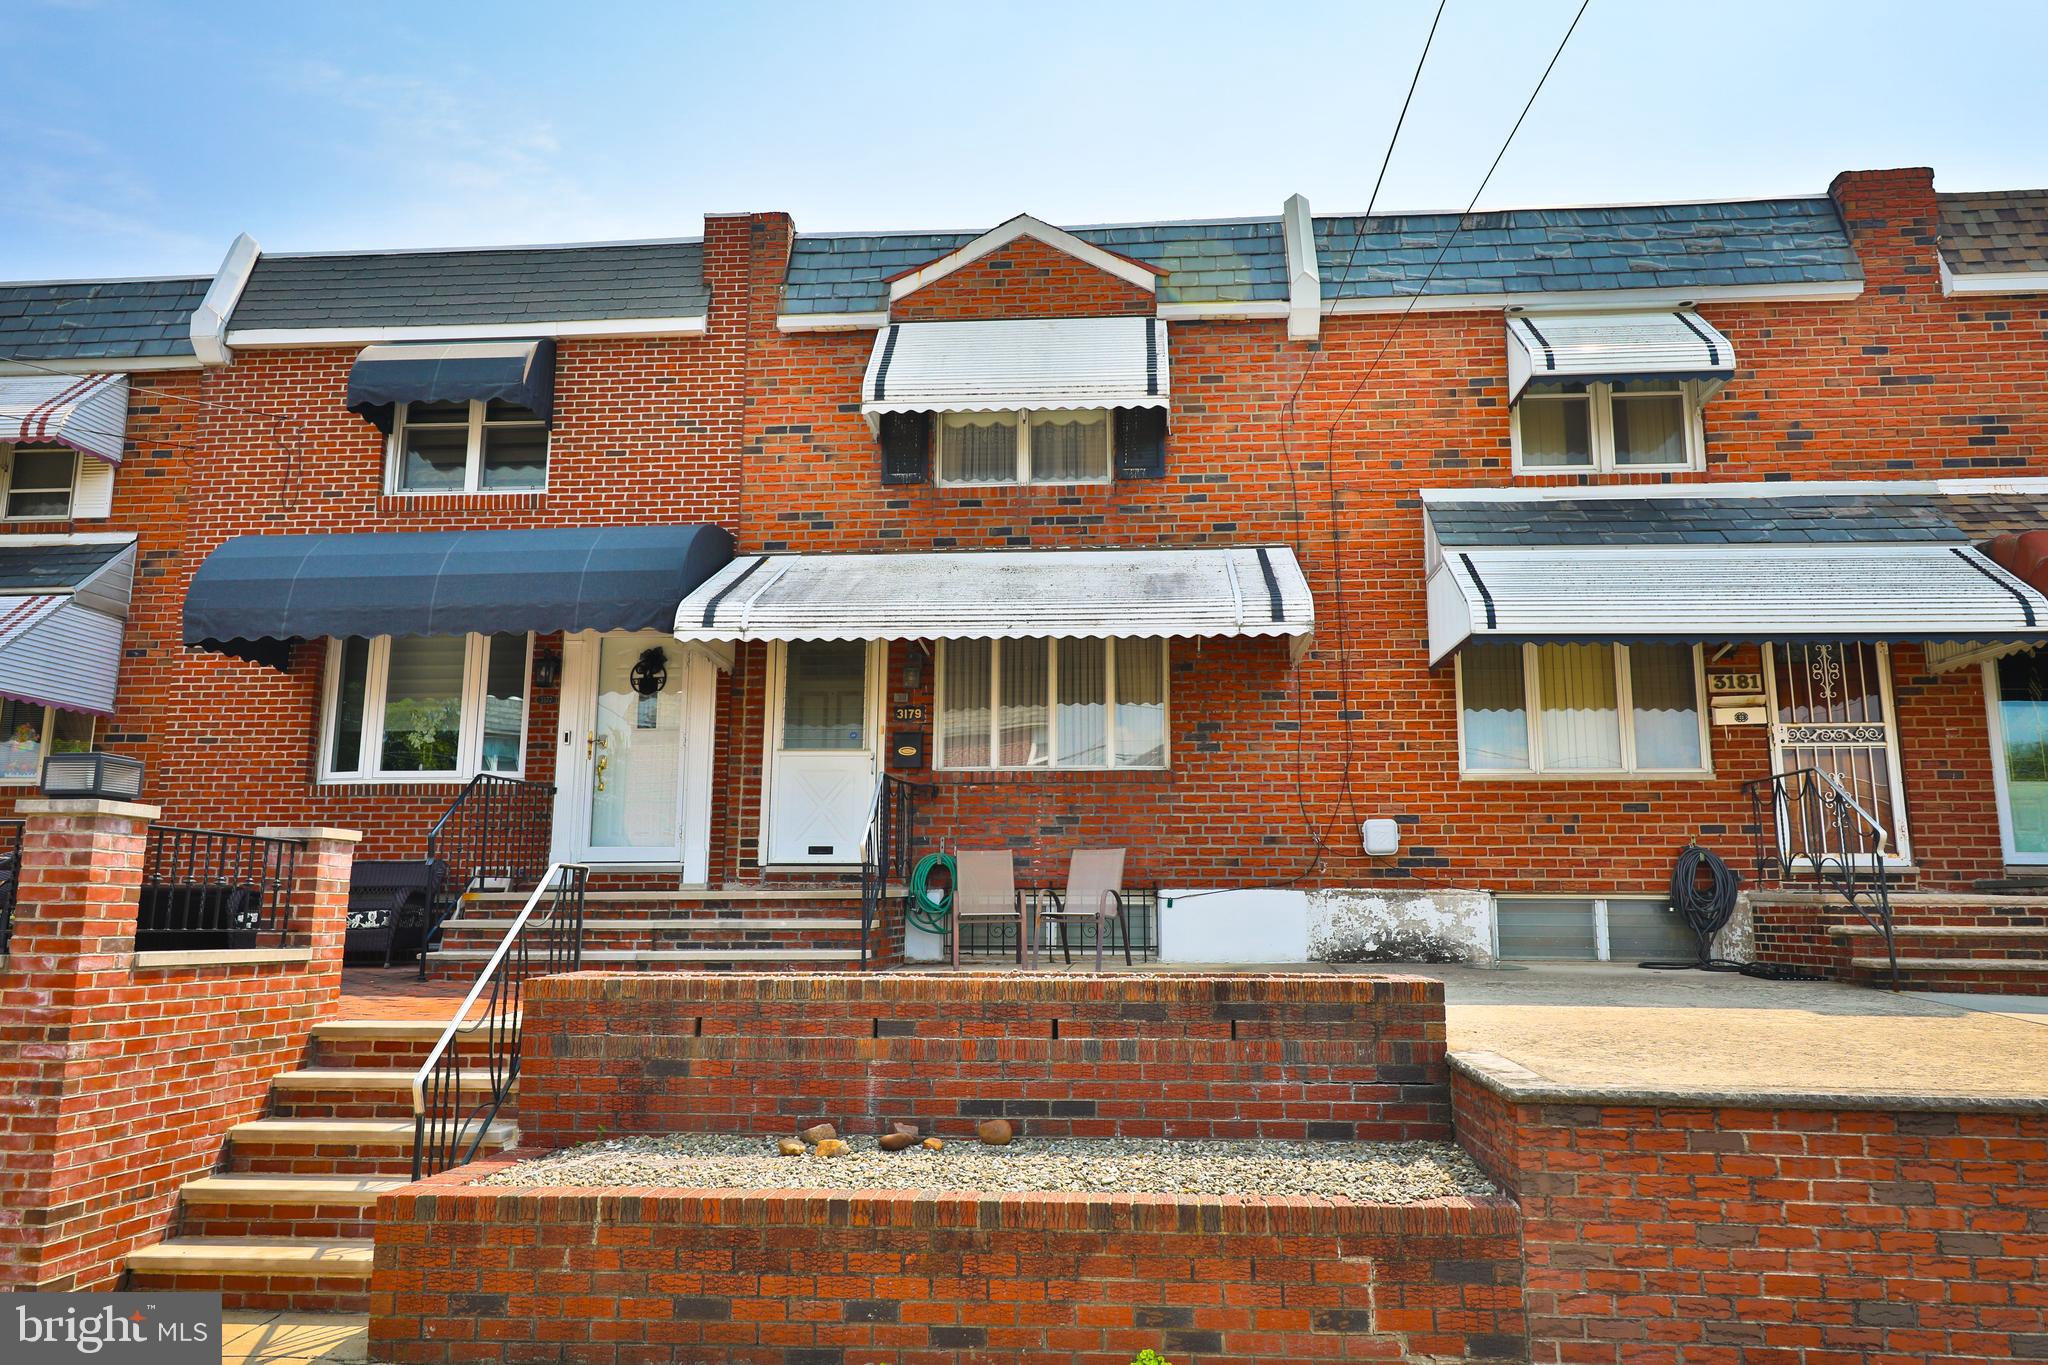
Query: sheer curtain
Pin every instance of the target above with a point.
(978, 447)
(1496, 708)
(1665, 706)
(1022, 737)
(964, 719)
(1556, 426)
(1581, 715)
(1649, 424)
(1140, 703)
(1069, 446)
(1083, 702)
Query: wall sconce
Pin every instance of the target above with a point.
(547, 669)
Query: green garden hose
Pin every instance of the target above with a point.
(920, 908)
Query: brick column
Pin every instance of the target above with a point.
(73, 945)
(320, 898)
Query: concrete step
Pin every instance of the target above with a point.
(348, 1258)
(392, 1079)
(498, 924)
(324, 1191)
(346, 1133)
(648, 957)
(378, 1146)
(1969, 975)
(356, 1092)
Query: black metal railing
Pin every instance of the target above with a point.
(995, 940)
(885, 853)
(10, 877)
(204, 888)
(467, 1077)
(1810, 829)
(497, 832)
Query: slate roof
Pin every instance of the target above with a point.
(94, 319)
(1768, 241)
(44, 568)
(1796, 519)
(1998, 232)
(496, 285)
(1211, 261)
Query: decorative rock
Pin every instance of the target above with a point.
(833, 1147)
(933, 1145)
(791, 1147)
(995, 1132)
(819, 1132)
(895, 1142)
(908, 1130)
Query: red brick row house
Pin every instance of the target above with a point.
(1420, 583)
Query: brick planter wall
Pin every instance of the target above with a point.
(1181, 1056)
(1669, 1234)
(598, 1276)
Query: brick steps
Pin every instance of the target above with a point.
(1964, 941)
(1968, 975)
(286, 1224)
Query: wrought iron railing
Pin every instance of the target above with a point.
(10, 877)
(884, 853)
(467, 1077)
(204, 888)
(995, 940)
(1808, 827)
(496, 832)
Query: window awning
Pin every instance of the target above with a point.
(1002, 594)
(521, 372)
(1008, 365)
(1727, 593)
(87, 412)
(1615, 346)
(63, 608)
(256, 594)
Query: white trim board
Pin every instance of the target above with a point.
(831, 322)
(1000, 236)
(1794, 488)
(353, 336)
(1991, 281)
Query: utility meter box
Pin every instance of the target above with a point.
(1382, 838)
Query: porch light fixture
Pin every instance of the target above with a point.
(547, 668)
(96, 776)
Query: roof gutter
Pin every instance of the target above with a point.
(210, 318)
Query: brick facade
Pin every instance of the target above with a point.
(119, 1077)
(1681, 1234)
(1152, 1056)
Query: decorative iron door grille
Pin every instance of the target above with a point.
(1832, 711)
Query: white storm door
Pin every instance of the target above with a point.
(625, 722)
(824, 697)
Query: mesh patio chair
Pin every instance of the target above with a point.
(1095, 885)
(985, 888)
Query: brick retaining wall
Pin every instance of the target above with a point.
(598, 1276)
(1183, 1056)
(1669, 1234)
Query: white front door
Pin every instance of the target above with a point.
(635, 732)
(823, 749)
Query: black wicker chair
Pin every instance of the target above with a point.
(391, 907)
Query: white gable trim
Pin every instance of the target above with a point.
(1023, 225)
(1991, 281)
(210, 319)
(469, 331)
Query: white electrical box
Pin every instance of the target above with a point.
(1382, 838)
(1740, 713)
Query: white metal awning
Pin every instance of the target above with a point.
(1002, 594)
(63, 609)
(1615, 346)
(1717, 594)
(87, 412)
(1009, 365)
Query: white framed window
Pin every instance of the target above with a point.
(30, 733)
(473, 447)
(1054, 445)
(1608, 428)
(424, 708)
(1592, 710)
(1051, 704)
(40, 482)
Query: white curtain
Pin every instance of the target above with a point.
(1556, 426)
(1649, 424)
(1665, 706)
(978, 447)
(1083, 702)
(1140, 703)
(1022, 737)
(964, 718)
(1496, 708)
(1069, 446)
(1581, 717)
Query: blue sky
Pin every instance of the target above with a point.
(140, 137)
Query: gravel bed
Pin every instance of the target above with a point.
(1364, 1172)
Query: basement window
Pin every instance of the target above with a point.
(424, 708)
(468, 447)
(1591, 710)
(1046, 446)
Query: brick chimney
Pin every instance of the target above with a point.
(1895, 225)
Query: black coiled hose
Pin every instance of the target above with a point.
(1706, 910)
